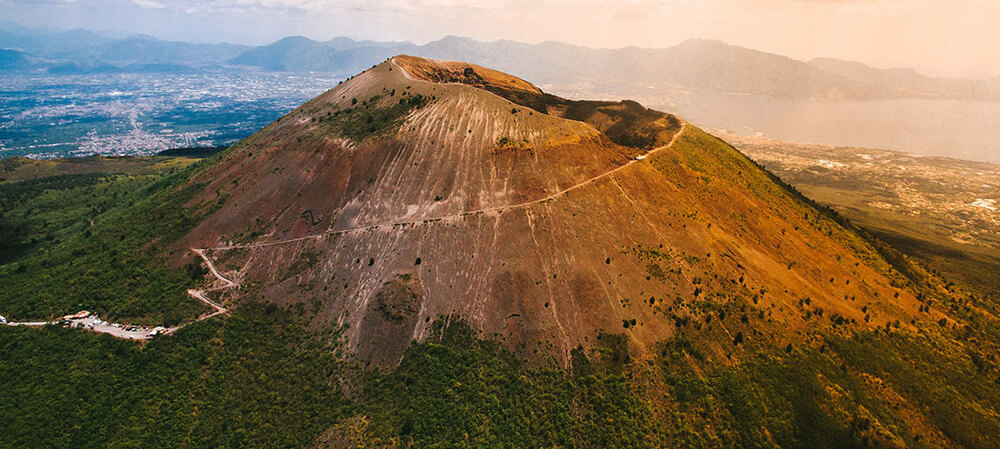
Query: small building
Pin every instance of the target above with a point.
(77, 315)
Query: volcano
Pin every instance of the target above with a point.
(421, 192)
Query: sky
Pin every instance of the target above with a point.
(954, 38)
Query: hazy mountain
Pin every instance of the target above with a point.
(344, 43)
(17, 61)
(50, 44)
(903, 82)
(719, 67)
(695, 64)
(539, 62)
(86, 51)
(148, 50)
(290, 53)
(701, 65)
(341, 55)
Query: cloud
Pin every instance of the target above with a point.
(148, 4)
(46, 2)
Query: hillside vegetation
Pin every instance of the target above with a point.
(259, 379)
(97, 239)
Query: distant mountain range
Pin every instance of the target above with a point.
(81, 51)
(340, 55)
(700, 65)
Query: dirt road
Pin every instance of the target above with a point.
(211, 267)
(93, 323)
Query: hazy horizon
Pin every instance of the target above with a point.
(946, 39)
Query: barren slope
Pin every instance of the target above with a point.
(419, 191)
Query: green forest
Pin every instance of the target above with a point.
(92, 241)
(259, 379)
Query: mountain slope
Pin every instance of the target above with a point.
(454, 201)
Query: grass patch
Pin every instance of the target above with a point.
(373, 117)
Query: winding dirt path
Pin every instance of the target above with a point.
(211, 267)
(200, 294)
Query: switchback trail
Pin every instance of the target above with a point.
(211, 267)
(200, 294)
